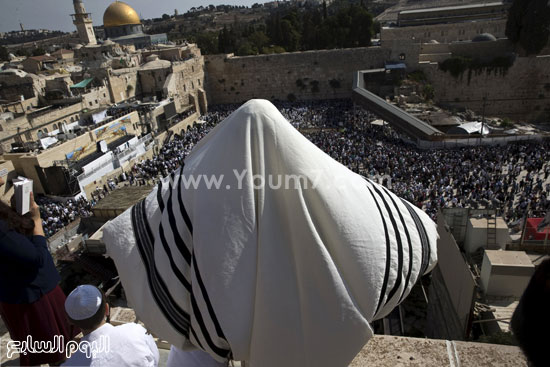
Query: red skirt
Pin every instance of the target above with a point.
(42, 320)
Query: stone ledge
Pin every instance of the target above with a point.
(393, 351)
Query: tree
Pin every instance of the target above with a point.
(528, 24)
(4, 54)
(258, 39)
(39, 51)
(208, 42)
(165, 17)
(22, 52)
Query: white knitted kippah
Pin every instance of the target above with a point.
(83, 302)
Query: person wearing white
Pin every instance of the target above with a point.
(191, 358)
(124, 345)
(279, 256)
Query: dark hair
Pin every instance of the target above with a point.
(530, 322)
(94, 321)
(17, 222)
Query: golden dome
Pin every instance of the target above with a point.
(119, 13)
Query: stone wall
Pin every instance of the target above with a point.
(444, 33)
(152, 80)
(188, 78)
(15, 85)
(96, 98)
(520, 93)
(307, 75)
(123, 86)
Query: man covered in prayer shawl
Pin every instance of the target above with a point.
(264, 249)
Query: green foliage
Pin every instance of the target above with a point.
(417, 76)
(246, 49)
(227, 40)
(376, 27)
(273, 50)
(39, 51)
(4, 54)
(506, 123)
(528, 24)
(457, 65)
(22, 52)
(207, 42)
(295, 29)
(429, 92)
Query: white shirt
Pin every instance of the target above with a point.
(192, 358)
(124, 345)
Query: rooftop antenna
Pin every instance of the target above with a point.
(22, 28)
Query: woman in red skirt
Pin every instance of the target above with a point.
(31, 301)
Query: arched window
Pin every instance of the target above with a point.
(46, 130)
(55, 126)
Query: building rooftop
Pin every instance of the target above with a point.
(447, 8)
(506, 258)
(119, 200)
(482, 223)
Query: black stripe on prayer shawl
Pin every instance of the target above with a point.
(159, 197)
(177, 317)
(180, 243)
(207, 300)
(388, 253)
(424, 241)
(409, 270)
(166, 246)
(220, 351)
(182, 207)
(397, 283)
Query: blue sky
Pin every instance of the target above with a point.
(54, 14)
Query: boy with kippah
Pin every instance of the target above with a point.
(124, 345)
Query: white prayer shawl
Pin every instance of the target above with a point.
(273, 276)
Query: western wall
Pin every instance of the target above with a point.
(306, 75)
(521, 92)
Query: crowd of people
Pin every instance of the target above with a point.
(56, 214)
(512, 178)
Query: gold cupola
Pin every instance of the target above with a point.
(118, 14)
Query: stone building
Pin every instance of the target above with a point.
(36, 64)
(17, 85)
(447, 24)
(83, 22)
